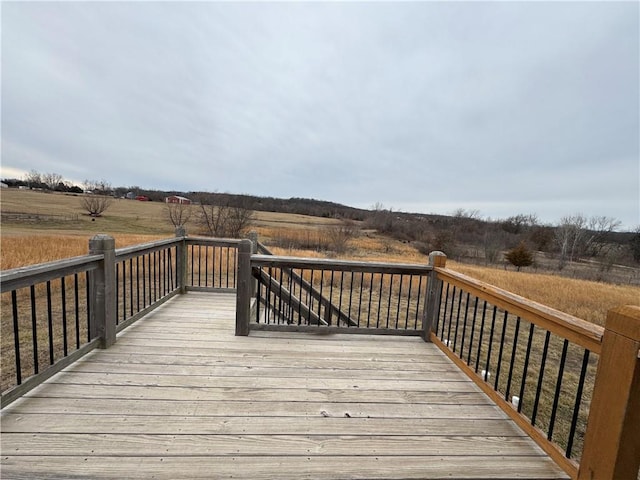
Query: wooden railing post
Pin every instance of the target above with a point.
(432, 303)
(243, 294)
(182, 259)
(612, 440)
(102, 322)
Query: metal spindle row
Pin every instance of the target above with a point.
(143, 280)
(49, 320)
(521, 371)
(213, 266)
(340, 298)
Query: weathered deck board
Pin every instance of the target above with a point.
(179, 396)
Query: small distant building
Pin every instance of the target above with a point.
(142, 198)
(130, 196)
(3, 185)
(177, 199)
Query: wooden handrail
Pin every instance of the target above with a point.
(574, 329)
(25, 276)
(338, 265)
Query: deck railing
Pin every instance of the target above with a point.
(536, 363)
(54, 313)
(213, 264)
(572, 386)
(303, 294)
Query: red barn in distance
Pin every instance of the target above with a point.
(177, 199)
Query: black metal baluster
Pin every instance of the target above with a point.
(380, 294)
(64, 317)
(473, 329)
(455, 339)
(131, 287)
(199, 263)
(233, 270)
(415, 324)
(117, 294)
(502, 336)
(138, 284)
(406, 314)
(399, 301)
(88, 298)
(389, 302)
(268, 307)
(206, 267)
(441, 325)
(493, 326)
(360, 299)
(76, 299)
(482, 323)
(34, 328)
(464, 325)
(124, 291)
(556, 397)
(220, 265)
(513, 358)
(155, 276)
(144, 284)
(543, 362)
(370, 299)
(525, 367)
(576, 408)
(320, 299)
(300, 302)
(280, 298)
(351, 296)
(50, 324)
(448, 341)
(192, 247)
(330, 304)
(340, 297)
(227, 273)
(173, 270)
(150, 279)
(16, 335)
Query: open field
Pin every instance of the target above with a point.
(132, 222)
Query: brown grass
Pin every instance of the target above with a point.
(132, 222)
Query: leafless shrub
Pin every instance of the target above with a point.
(178, 213)
(339, 235)
(224, 220)
(95, 205)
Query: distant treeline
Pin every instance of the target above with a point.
(574, 237)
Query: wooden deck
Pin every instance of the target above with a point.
(179, 396)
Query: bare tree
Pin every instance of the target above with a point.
(224, 220)
(340, 235)
(95, 205)
(569, 234)
(101, 187)
(33, 179)
(467, 214)
(178, 213)
(381, 218)
(51, 180)
(238, 221)
(599, 228)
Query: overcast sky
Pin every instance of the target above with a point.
(500, 107)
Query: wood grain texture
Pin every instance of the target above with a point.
(612, 441)
(198, 402)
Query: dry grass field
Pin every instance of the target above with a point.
(25, 242)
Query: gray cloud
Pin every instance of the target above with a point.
(502, 107)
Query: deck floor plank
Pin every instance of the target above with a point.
(179, 396)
